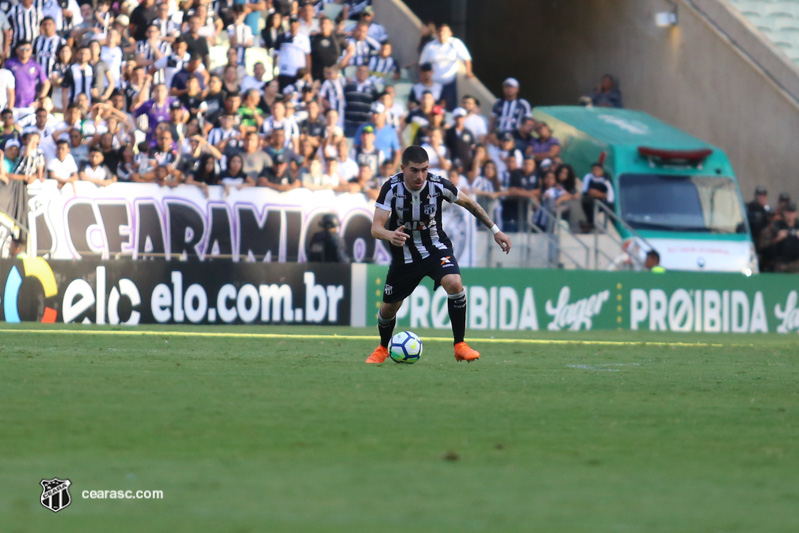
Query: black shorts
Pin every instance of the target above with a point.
(403, 278)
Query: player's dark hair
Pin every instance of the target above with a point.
(654, 254)
(414, 154)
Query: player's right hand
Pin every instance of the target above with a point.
(399, 237)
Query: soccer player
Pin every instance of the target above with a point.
(408, 216)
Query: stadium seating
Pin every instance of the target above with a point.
(777, 20)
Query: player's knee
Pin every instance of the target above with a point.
(452, 284)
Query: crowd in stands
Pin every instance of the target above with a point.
(105, 92)
(775, 231)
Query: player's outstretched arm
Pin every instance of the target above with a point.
(379, 231)
(474, 208)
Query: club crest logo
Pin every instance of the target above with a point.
(55, 493)
(389, 289)
(430, 210)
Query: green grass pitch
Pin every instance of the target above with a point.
(253, 432)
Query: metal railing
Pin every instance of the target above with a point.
(600, 207)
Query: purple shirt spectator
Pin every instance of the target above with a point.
(27, 76)
(541, 146)
(155, 114)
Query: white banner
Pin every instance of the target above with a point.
(141, 221)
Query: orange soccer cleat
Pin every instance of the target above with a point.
(464, 353)
(379, 355)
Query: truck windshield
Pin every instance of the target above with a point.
(681, 203)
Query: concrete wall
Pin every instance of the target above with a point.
(689, 75)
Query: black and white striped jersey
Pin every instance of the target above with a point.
(217, 135)
(381, 68)
(78, 80)
(363, 50)
(509, 113)
(24, 23)
(420, 213)
(44, 50)
(146, 50)
(333, 92)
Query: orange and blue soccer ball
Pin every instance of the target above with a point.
(405, 347)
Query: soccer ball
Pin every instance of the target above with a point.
(405, 347)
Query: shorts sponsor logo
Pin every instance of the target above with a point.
(55, 494)
(446, 263)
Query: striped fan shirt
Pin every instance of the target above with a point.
(420, 213)
(381, 68)
(333, 92)
(45, 48)
(28, 164)
(78, 80)
(509, 113)
(144, 48)
(363, 50)
(25, 23)
(217, 135)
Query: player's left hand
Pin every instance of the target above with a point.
(503, 241)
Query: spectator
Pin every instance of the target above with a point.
(426, 84)
(445, 53)
(596, 188)
(382, 66)
(759, 213)
(505, 149)
(607, 93)
(360, 47)
(332, 93)
(652, 262)
(62, 167)
(46, 45)
(272, 31)
(255, 161)
(30, 166)
(545, 146)
(509, 111)
(437, 152)
(366, 153)
(155, 109)
(279, 177)
(78, 78)
(292, 52)
(140, 19)
(347, 168)
(169, 30)
(326, 245)
(313, 127)
(95, 171)
(28, 74)
(571, 185)
(234, 175)
(197, 44)
(459, 139)
(325, 49)
(523, 135)
(375, 30)
(553, 198)
(359, 94)
(309, 24)
(25, 19)
(386, 137)
(523, 188)
(256, 81)
(784, 247)
(8, 92)
(486, 187)
(65, 14)
(239, 34)
(475, 122)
